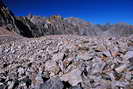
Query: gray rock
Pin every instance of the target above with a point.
(128, 55)
(52, 67)
(53, 83)
(119, 84)
(21, 70)
(76, 87)
(58, 56)
(73, 77)
(130, 60)
(1, 86)
(121, 68)
(10, 84)
(85, 56)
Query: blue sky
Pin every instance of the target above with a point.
(94, 11)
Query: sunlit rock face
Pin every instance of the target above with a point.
(57, 25)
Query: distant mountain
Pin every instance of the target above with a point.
(36, 26)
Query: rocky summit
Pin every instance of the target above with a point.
(63, 53)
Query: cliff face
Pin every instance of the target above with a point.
(7, 18)
(55, 25)
(9, 22)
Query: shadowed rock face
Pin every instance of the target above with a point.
(9, 21)
(6, 17)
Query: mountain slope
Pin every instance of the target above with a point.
(67, 62)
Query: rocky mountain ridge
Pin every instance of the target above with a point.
(36, 26)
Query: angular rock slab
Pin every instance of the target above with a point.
(73, 77)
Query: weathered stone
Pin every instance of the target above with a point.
(53, 83)
(73, 77)
(128, 76)
(10, 84)
(76, 87)
(121, 68)
(58, 56)
(128, 55)
(107, 53)
(21, 70)
(130, 60)
(119, 84)
(85, 56)
(97, 66)
(52, 67)
(1, 86)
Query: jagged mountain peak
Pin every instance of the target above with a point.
(36, 26)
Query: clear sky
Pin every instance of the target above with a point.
(94, 11)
